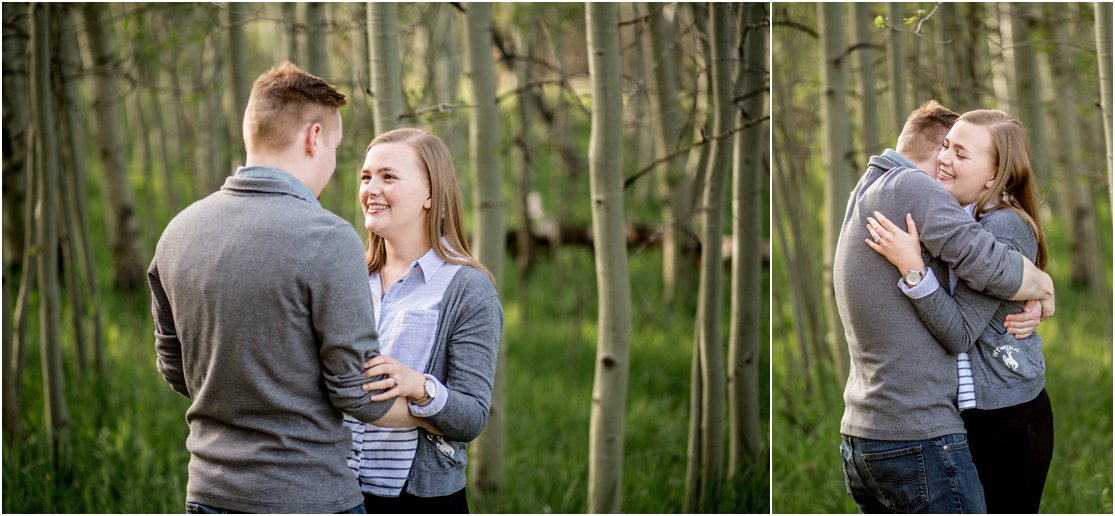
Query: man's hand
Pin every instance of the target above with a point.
(1024, 323)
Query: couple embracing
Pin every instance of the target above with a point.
(325, 375)
(945, 405)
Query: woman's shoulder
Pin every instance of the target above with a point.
(472, 282)
(1008, 224)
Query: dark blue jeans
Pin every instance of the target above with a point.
(931, 476)
(198, 508)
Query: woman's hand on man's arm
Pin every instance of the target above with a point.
(901, 248)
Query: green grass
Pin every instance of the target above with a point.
(127, 429)
(806, 459)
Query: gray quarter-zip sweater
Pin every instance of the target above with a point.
(902, 383)
(263, 319)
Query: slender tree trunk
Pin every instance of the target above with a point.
(692, 502)
(123, 226)
(1028, 82)
(238, 75)
(968, 61)
(838, 171)
(67, 70)
(700, 156)
(488, 201)
(745, 440)
(896, 69)
(50, 319)
(387, 75)
(1002, 70)
(711, 290)
(609, 388)
(525, 45)
(27, 281)
(317, 42)
(675, 188)
(74, 178)
(220, 159)
(1087, 259)
(15, 131)
(11, 406)
(865, 57)
(290, 16)
(1103, 52)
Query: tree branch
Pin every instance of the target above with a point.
(681, 150)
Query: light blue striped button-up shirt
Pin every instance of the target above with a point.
(406, 321)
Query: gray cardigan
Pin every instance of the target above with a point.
(463, 358)
(902, 384)
(1006, 371)
(263, 319)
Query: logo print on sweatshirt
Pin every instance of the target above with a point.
(1006, 353)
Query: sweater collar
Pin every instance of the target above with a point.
(270, 180)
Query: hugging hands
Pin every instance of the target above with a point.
(400, 380)
(903, 250)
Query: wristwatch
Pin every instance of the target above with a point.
(431, 392)
(914, 276)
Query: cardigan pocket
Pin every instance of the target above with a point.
(449, 452)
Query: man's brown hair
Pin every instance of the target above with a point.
(925, 130)
(284, 98)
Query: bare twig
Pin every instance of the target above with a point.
(681, 150)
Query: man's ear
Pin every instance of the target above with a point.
(309, 138)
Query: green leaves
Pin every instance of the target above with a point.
(880, 22)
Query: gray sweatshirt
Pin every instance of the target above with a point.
(902, 384)
(1006, 371)
(264, 319)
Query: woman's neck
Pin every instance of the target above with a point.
(400, 253)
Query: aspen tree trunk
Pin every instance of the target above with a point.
(968, 62)
(484, 137)
(123, 227)
(317, 42)
(220, 162)
(677, 270)
(1087, 260)
(524, 42)
(290, 15)
(11, 406)
(447, 63)
(896, 69)
(387, 75)
(1103, 51)
(238, 76)
(838, 170)
(865, 57)
(1002, 70)
(27, 281)
(15, 132)
(711, 290)
(692, 501)
(609, 387)
(50, 319)
(745, 440)
(74, 177)
(699, 157)
(67, 67)
(1028, 82)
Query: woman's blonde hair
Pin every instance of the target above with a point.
(1014, 186)
(443, 219)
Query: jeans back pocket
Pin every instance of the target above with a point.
(899, 477)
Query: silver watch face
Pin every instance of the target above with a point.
(431, 388)
(914, 277)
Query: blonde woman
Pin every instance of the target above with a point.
(985, 164)
(439, 321)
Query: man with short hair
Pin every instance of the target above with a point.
(263, 316)
(904, 444)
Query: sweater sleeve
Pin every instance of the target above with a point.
(472, 348)
(168, 349)
(341, 308)
(948, 233)
(958, 321)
